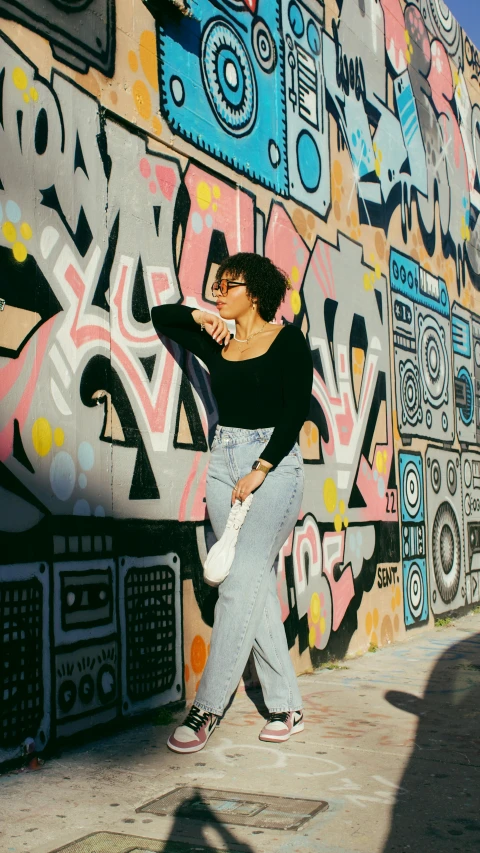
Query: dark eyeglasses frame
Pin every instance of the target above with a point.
(224, 288)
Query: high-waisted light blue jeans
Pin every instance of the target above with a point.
(247, 613)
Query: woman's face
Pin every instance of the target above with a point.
(237, 302)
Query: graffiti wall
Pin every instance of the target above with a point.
(139, 148)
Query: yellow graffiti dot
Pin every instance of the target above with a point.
(42, 436)
(295, 301)
(26, 98)
(372, 258)
(337, 523)
(294, 275)
(337, 172)
(379, 461)
(375, 147)
(314, 435)
(345, 521)
(216, 191)
(378, 271)
(9, 231)
(372, 277)
(25, 231)
(33, 93)
(19, 78)
(380, 155)
(312, 636)
(315, 607)
(341, 506)
(19, 252)
(157, 125)
(148, 57)
(59, 436)
(393, 603)
(407, 36)
(330, 494)
(375, 618)
(398, 596)
(366, 282)
(132, 60)
(204, 195)
(378, 168)
(368, 623)
(142, 99)
(322, 625)
(214, 207)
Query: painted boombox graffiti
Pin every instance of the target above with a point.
(466, 366)
(415, 589)
(80, 33)
(445, 524)
(86, 644)
(421, 338)
(471, 521)
(226, 63)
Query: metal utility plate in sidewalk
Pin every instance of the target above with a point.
(236, 807)
(113, 842)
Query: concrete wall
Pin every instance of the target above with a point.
(341, 140)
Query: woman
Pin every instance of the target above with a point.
(262, 381)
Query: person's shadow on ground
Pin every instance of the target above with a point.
(438, 806)
(202, 816)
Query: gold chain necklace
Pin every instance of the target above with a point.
(247, 340)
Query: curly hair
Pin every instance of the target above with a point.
(265, 282)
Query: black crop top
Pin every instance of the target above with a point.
(270, 390)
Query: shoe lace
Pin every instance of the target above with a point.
(279, 717)
(195, 718)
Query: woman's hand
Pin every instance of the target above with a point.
(215, 326)
(247, 485)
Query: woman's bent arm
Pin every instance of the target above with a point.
(181, 324)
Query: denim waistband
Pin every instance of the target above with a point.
(238, 435)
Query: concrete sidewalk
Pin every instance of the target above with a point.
(392, 743)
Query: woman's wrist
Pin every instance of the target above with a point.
(264, 462)
(198, 316)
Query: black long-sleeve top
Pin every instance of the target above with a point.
(270, 390)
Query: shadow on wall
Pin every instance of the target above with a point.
(437, 808)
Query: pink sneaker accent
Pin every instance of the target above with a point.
(194, 732)
(281, 725)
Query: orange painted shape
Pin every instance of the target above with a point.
(198, 654)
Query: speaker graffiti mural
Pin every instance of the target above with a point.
(413, 536)
(444, 511)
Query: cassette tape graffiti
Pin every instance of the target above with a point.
(422, 351)
(412, 504)
(86, 644)
(471, 520)
(445, 525)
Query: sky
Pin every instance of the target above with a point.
(467, 13)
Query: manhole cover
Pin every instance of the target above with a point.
(113, 842)
(236, 807)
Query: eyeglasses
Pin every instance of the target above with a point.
(224, 285)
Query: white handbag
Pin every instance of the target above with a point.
(220, 557)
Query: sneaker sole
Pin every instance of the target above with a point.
(281, 738)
